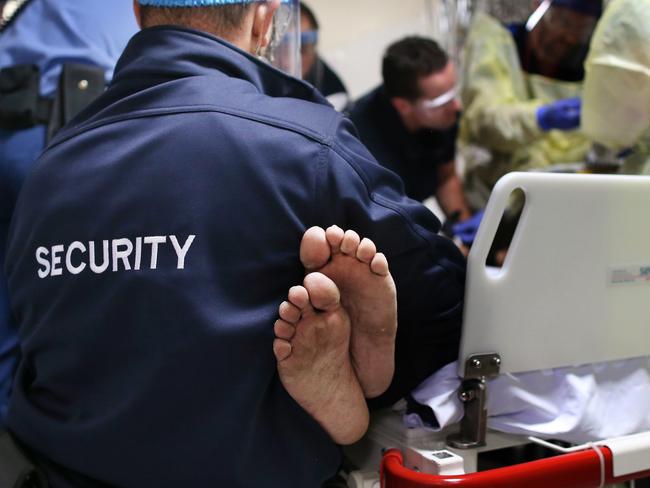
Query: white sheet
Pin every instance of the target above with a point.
(580, 404)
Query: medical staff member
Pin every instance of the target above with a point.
(521, 92)
(314, 69)
(617, 84)
(153, 243)
(37, 39)
(410, 124)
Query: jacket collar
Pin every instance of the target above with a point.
(165, 53)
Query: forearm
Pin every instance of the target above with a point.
(451, 197)
(502, 127)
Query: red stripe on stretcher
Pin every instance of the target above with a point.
(575, 470)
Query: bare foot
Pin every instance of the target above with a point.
(367, 294)
(312, 347)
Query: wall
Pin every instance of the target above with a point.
(355, 33)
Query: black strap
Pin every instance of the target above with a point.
(21, 105)
(13, 9)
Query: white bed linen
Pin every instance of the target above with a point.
(578, 404)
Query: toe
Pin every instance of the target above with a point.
(334, 237)
(284, 330)
(299, 297)
(379, 265)
(366, 251)
(281, 349)
(289, 312)
(350, 243)
(314, 249)
(323, 292)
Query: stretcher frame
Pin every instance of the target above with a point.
(600, 216)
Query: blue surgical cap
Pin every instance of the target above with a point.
(589, 7)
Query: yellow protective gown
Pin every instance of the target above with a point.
(499, 131)
(616, 109)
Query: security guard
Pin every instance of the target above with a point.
(39, 39)
(154, 241)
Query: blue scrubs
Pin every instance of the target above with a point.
(151, 248)
(48, 33)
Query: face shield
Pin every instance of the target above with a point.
(283, 49)
(560, 32)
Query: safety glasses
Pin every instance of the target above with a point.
(441, 100)
(308, 37)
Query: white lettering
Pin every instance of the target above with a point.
(56, 260)
(75, 270)
(138, 253)
(117, 254)
(45, 272)
(181, 252)
(154, 241)
(123, 255)
(93, 263)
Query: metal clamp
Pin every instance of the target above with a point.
(473, 393)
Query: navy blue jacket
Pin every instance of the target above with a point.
(48, 34)
(151, 247)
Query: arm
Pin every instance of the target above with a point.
(450, 193)
(356, 192)
(499, 113)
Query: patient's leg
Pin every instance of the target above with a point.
(367, 294)
(312, 347)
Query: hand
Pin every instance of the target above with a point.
(467, 229)
(562, 114)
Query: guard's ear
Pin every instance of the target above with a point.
(262, 22)
(138, 13)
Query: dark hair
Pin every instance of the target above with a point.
(408, 60)
(304, 9)
(217, 19)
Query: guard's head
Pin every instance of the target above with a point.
(421, 82)
(255, 26)
(244, 23)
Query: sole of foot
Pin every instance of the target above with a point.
(312, 347)
(368, 295)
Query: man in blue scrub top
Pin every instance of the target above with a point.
(47, 34)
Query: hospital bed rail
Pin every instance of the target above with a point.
(584, 469)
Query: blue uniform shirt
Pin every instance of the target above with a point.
(150, 250)
(48, 33)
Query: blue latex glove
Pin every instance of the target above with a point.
(467, 229)
(562, 114)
